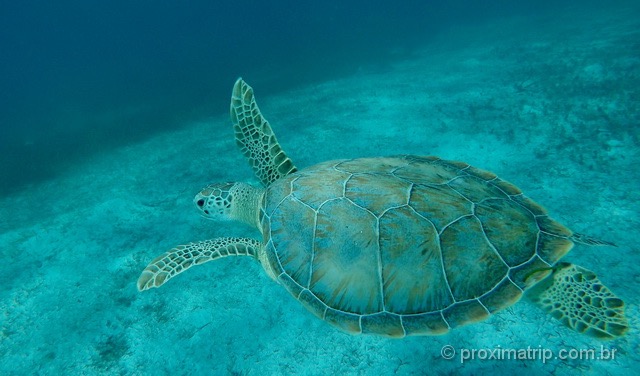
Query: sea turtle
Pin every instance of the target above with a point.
(394, 246)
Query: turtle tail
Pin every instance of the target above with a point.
(588, 240)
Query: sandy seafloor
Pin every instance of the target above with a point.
(555, 110)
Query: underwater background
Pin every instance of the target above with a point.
(113, 115)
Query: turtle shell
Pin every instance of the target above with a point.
(405, 245)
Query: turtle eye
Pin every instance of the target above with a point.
(200, 203)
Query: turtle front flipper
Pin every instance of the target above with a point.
(182, 257)
(255, 137)
(576, 297)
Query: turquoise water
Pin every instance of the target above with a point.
(547, 100)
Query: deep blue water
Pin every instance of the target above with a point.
(113, 115)
(83, 77)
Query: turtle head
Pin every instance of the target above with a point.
(229, 201)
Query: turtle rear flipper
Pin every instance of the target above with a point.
(255, 137)
(576, 297)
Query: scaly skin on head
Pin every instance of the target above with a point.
(230, 201)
